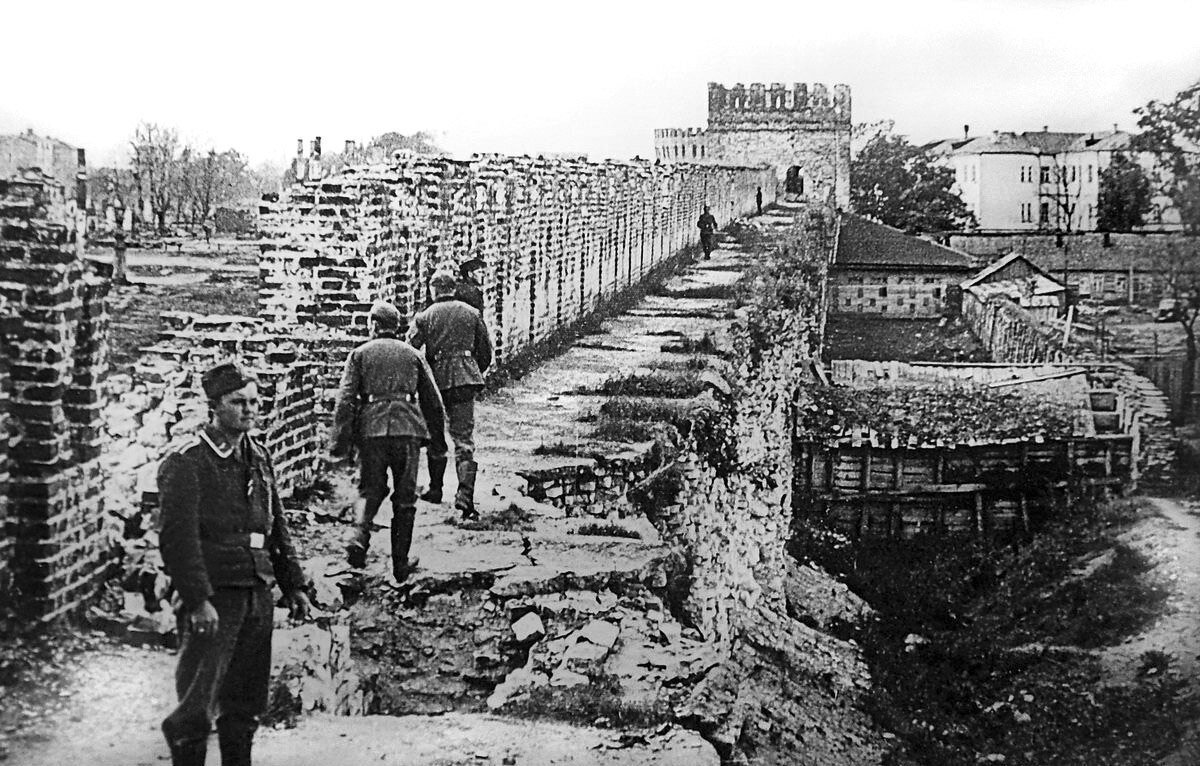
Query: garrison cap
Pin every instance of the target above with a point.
(224, 378)
(385, 314)
(470, 265)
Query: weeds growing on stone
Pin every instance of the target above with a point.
(608, 530)
(510, 519)
(705, 344)
(664, 384)
(598, 703)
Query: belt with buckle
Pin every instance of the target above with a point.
(405, 397)
(452, 354)
(242, 539)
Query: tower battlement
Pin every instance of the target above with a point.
(777, 106)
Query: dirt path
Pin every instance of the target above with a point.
(1170, 539)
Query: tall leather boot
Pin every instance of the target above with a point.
(356, 550)
(188, 752)
(464, 501)
(437, 473)
(235, 741)
(402, 533)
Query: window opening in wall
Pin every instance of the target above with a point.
(973, 175)
(701, 151)
(1045, 174)
(793, 181)
(1089, 173)
(883, 292)
(693, 150)
(1044, 213)
(937, 293)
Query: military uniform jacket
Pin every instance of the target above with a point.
(387, 389)
(469, 292)
(456, 343)
(222, 521)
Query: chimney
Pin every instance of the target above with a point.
(1045, 128)
(299, 147)
(966, 131)
(349, 145)
(81, 158)
(316, 148)
(995, 135)
(1114, 127)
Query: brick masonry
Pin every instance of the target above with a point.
(53, 331)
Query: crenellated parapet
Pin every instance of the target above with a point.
(777, 106)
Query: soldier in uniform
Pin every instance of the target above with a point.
(459, 349)
(387, 406)
(469, 291)
(225, 543)
(708, 231)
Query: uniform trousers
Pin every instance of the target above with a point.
(224, 674)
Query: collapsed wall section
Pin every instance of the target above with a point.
(558, 237)
(53, 331)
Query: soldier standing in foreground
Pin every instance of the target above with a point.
(387, 406)
(459, 349)
(225, 542)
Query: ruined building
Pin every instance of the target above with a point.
(802, 133)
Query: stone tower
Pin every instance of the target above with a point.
(802, 132)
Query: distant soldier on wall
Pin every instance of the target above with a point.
(459, 349)
(225, 542)
(708, 231)
(387, 406)
(758, 199)
(469, 290)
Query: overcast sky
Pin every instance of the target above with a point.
(598, 77)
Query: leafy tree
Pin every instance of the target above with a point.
(1181, 273)
(903, 186)
(1124, 195)
(1171, 129)
(421, 142)
(212, 180)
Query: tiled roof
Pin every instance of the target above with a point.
(865, 243)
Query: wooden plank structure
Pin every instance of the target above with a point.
(872, 486)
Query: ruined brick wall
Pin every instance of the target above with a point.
(557, 237)
(796, 127)
(54, 336)
(916, 294)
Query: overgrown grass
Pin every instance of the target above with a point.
(599, 703)
(1003, 664)
(665, 384)
(608, 530)
(510, 519)
(705, 344)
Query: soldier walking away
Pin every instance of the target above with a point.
(225, 543)
(459, 349)
(469, 291)
(387, 406)
(758, 199)
(708, 231)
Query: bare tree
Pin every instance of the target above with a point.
(156, 153)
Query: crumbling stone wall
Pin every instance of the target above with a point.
(558, 237)
(53, 333)
(732, 506)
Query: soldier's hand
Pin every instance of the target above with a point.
(203, 619)
(298, 605)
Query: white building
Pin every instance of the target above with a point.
(1042, 181)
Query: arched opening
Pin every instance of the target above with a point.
(793, 182)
